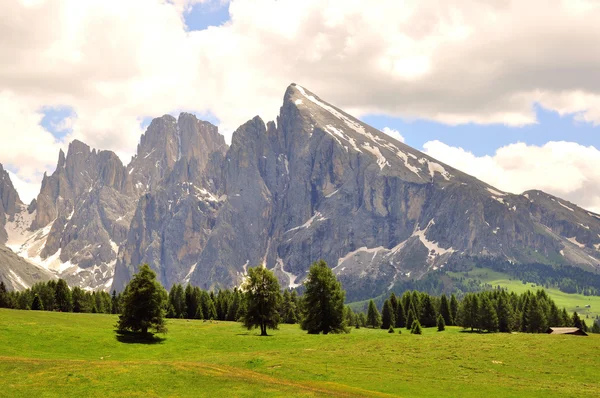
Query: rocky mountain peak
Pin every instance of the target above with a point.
(10, 203)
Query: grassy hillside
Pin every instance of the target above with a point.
(572, 302)
(66, 354)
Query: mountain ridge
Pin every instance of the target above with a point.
(315, 183)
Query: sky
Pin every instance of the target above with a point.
(508, 91)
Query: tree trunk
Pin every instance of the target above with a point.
(145, 329)
(263, 329)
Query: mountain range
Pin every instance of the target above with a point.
(315, 184)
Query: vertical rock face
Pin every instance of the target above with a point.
(317, 184)
(10, 203)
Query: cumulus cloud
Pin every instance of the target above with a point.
(115, 63)
(565, 169)
(393, 133)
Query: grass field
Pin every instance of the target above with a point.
(65, 354)
(572, 302)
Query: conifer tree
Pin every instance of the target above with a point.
(262, 300)
(387, 315)
(505, 315)
(144, 300)
(469, 311)
(441, 324)
(391, 329)
(191, 302)
(428, 314)
(576, 321)
(62, 296)
(373, 316)
(114, 301)
(596, 327)
(536, 317)
(394, 303)
(4, 301)
(323, 301)
(37, 303)
(400, 317)
(410, 319)
(454, 309)
(416, 327)
(445, 311)
(488, 318)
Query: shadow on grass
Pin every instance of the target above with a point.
(138, 338)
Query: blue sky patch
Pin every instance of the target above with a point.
(486, 139)
(203, 15)
(55, 120)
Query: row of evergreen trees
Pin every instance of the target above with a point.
(57, 296)
(192, 302)
(492, 311)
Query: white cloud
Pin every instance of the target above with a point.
(116, 62)
(27, 190)
(393, 133)
(565, 169)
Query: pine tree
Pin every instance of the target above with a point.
(454, 309)
(410, 319)
(576, 321)
(394, 303)
(441, 324)
(445, 310)
(400, 317)
(537, 322)
(323, 301)
(488, 318)
(114, 308)
(468, 312)
(505, 315)
(428, 314)
(37, 303)
(566, 319)
(262, 300)
(596, 327)
(391, 329)
(191, 302)
(144, 300)
(387, 315)
(416, 327)
(373, 316)
(4, 301)
(362, 319)
(62, 296)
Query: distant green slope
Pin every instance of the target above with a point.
(572, 302)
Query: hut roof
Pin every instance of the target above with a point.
(575, 331)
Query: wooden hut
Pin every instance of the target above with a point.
(573, 331)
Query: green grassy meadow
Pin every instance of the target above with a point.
(572, 302)
(66, 354)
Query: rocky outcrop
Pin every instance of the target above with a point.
(315, 184)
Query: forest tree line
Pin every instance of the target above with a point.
(490, 311)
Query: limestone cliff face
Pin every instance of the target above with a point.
(9, 202)
(315, 184)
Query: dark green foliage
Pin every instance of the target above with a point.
(400, 317)
(399, 331)
(177, 302)
(4, 298)
(453, 309)
(62, 296)
(441, 324)
(391, 329)
(536, 317)
(115, 305)
(428, 313)
(445, 310)
(262, 300)
(37, 303)
(416, 327)
(362, 319)
(289, 307)
(576, 321)
(192, 301)
(373, 316)
(505, 315)
(144, 300)
(410, 319)
(488, 318)
(468, 311)
(387, 315)
(323, 301)
(596, 327)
